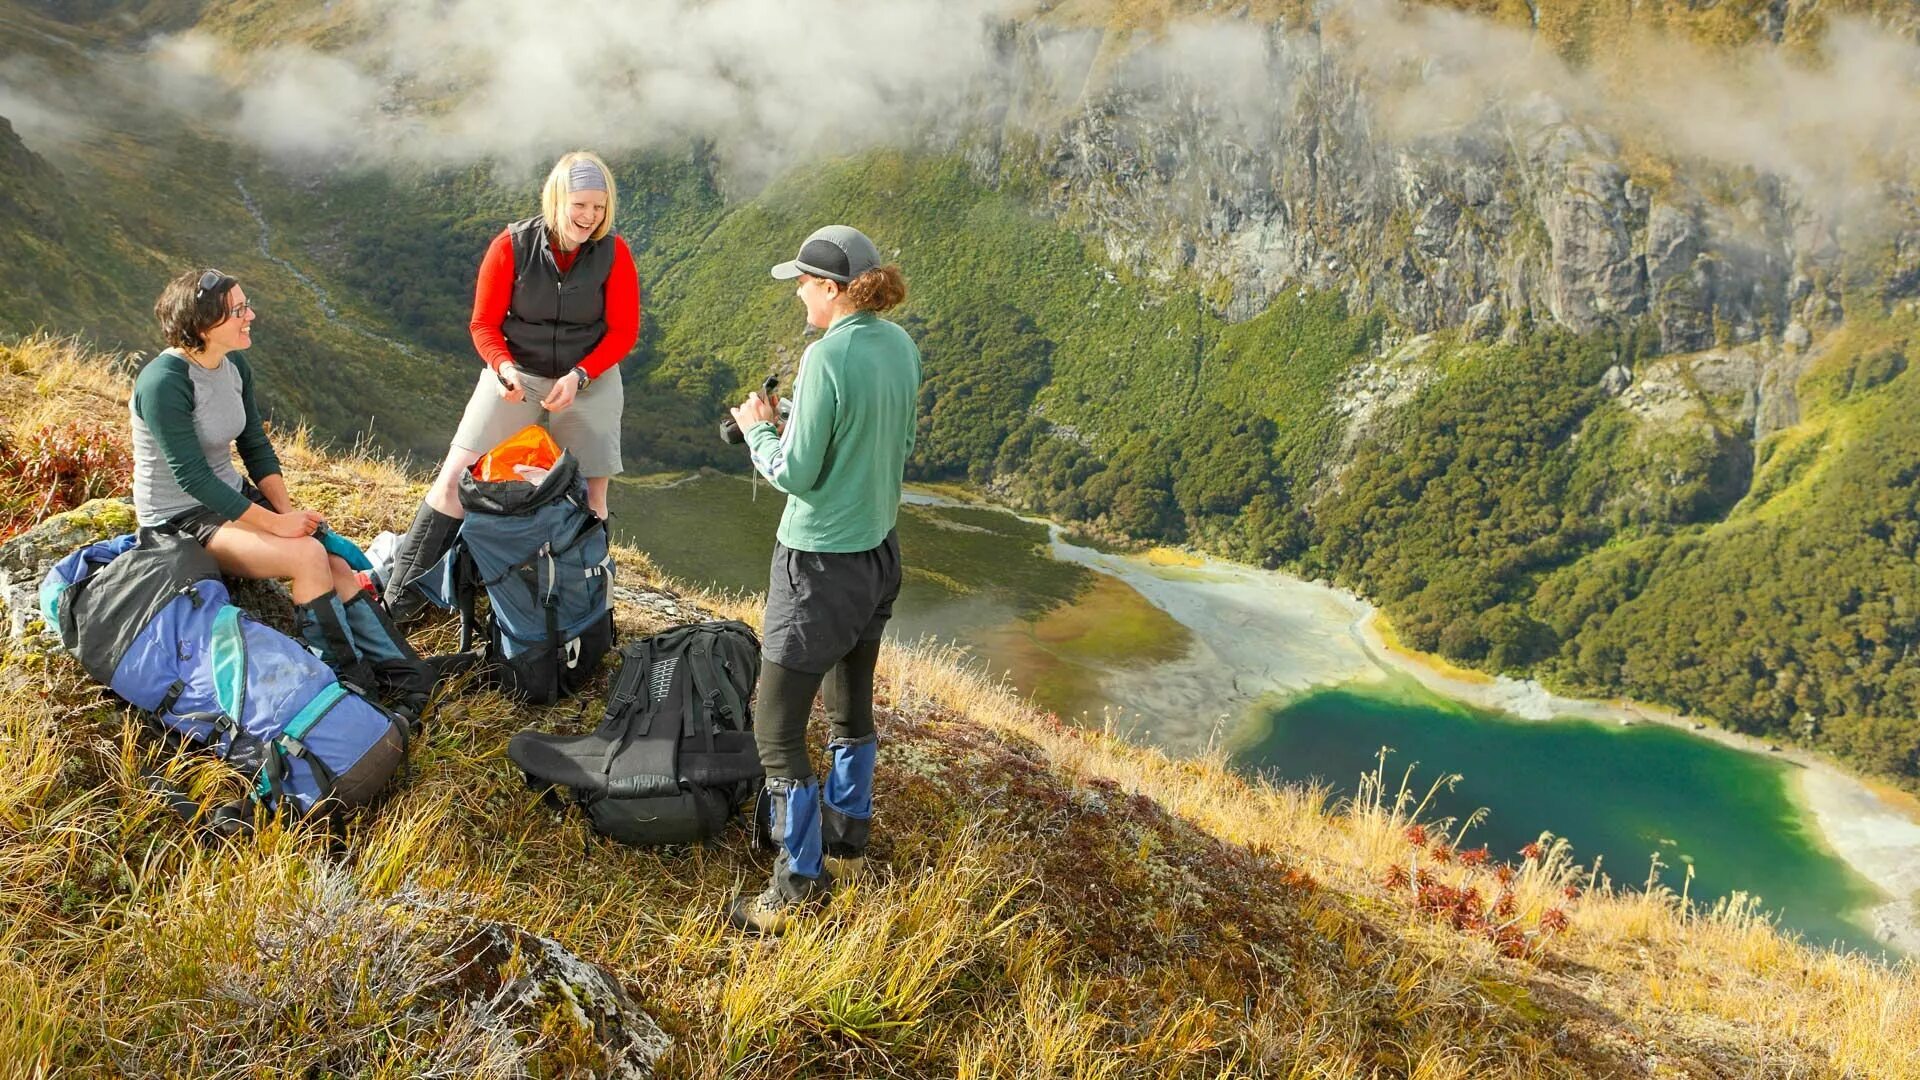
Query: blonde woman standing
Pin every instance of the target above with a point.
(556, 307)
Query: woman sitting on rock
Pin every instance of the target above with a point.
(193, 405)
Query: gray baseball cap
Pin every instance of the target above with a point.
(837, 252)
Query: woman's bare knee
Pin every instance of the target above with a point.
(444, 494)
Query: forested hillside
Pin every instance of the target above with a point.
(1560, 404)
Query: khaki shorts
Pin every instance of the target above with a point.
(590, 427)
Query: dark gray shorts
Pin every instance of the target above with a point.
(200, 525)
(821, 604)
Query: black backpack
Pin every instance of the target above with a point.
(674, 760)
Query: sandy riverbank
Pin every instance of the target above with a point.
(1877, 834)
(1260, 637)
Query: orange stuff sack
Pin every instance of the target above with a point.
(531, 445)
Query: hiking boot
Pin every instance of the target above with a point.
(845, 869)
(846, 818)
(426, 540)
(798, 879)
(770, 913)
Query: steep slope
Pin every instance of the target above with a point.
(1049, 901)
(1171, 314)
(124, 196)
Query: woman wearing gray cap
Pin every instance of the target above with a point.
(836, 565)
(556, 308)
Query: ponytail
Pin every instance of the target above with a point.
(878, 289)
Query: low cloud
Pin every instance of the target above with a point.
(771, 83)
(444, 81)
(1836, 124)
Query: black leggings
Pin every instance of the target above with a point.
(786, 697)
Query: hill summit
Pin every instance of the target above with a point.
(1050, 902)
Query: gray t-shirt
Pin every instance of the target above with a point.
(177, 467)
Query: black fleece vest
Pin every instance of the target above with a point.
(555, 319)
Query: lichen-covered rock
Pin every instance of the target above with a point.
(510, 975)
(409, 975)
(25, 559)
(663, 604)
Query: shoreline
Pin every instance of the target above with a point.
(1865, 829)
(1875, 833)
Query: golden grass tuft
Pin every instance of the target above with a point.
(1047, 902)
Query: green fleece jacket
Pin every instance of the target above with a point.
(842, 455)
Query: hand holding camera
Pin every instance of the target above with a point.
(761, 405)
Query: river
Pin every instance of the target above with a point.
(1291, 678)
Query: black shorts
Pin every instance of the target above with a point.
(200, 524)
(821, 604)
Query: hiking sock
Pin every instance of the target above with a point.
(425, 542)
(323, 627)
(846, 813)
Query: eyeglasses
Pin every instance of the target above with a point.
(240, 309)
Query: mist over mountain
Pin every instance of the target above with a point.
(1575, 334)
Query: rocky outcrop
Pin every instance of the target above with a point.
(1278, 171)
(1749, 390)
(509, 976)
(25, 560)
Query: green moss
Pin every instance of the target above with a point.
(102, 517)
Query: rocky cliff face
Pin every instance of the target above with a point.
(1275, 168)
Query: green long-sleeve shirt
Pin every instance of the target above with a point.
(845, 447)
(187, 420)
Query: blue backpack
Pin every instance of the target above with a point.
(148, 614)
(541, 556)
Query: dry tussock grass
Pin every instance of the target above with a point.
(1048, 902)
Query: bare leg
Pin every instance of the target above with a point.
(444, 495)
(243, 553)
(597, 495)
(346, 583)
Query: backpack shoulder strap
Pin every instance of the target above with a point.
(646, 757)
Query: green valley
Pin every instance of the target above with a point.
(1506, 508)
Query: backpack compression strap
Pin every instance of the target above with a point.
(648, 751)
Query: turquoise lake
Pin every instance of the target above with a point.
(1083, 642)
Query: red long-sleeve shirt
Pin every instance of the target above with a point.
(493, 295)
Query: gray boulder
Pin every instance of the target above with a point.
(1616, 380)
(25, 559)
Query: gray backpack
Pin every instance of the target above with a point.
(541, 557)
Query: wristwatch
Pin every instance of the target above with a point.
(585, 379)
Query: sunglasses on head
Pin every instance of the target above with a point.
(210, 281)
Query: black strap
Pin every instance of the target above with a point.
(464, 592)
(289, 747)
(169, 699)
(635, 661)
(650, 751)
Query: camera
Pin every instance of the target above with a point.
(730, 432)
